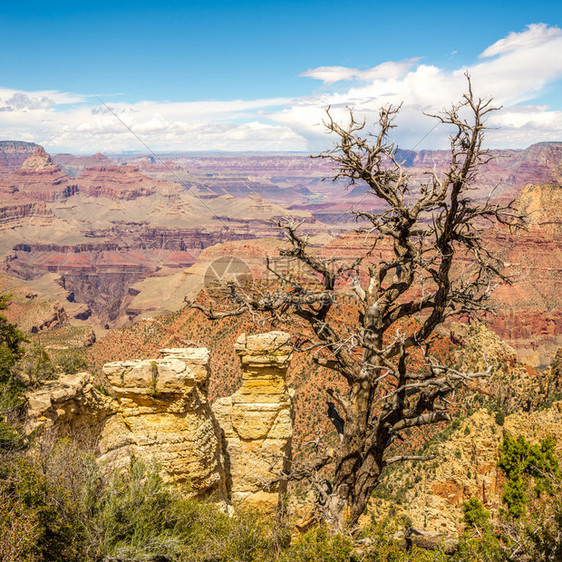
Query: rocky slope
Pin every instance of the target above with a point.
(431, 493)
(542, 205)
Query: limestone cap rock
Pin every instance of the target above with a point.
(178, 371)
(271, 348)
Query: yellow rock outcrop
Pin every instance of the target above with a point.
(164, 415)
(159, 411)
(257, 421)
(69, 406)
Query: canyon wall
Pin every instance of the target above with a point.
(121, 182)
(14, 153)
(40, 178)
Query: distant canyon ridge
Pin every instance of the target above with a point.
(98, 242)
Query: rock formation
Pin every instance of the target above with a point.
(542, 205)
(555, 373)
(257, 420)
(14, 153)
(160, 412)
(431, 493)
(122, 182)
(530, 314)
(513, 385)
(69, 406)
(74, 165)
(40, 178)
(14, 207)
(164, 415)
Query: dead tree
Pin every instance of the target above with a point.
(439, 267)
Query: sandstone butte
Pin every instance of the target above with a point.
(158, 410)
(40, 178)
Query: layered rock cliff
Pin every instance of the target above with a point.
(14, 208)
(122, 182)
(14, 153)
(163, 414)
(257, 421)
(74, 165)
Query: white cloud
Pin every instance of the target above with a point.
(536, 35)
(386, 70)
(15, 100)
(515, 70)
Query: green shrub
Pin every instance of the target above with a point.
(36, 365)
(486, 547)
(475, 514)
(11, 389)
(11, 340)
(321, 544)
(524, 464)
(60, 531)
(18, 529)
(70, 362)
(500, 417)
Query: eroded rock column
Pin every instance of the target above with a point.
(164, 415)
(257, 421)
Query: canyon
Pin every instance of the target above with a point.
(99, 252)
(128, 235)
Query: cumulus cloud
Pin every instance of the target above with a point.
(536, 35)
(14, 100)
(515, 69)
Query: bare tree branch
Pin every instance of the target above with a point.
(433, 264)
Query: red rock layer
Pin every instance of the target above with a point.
(121, 182)
(93, 161)
(14, 153)
(12, 212)
(74, 165)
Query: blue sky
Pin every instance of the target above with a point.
(161, 66)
